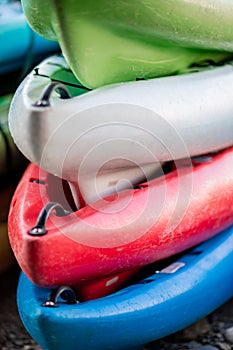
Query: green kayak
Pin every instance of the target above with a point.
(116, 41)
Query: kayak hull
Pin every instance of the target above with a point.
(124, 231)
(22, 46)
(129, 126)
(133, 40)
(198, 283)
(148, 111)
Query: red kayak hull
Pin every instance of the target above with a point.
(124, 231)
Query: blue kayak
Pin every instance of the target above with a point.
(166, 301)
(21, 47)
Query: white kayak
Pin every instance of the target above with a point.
(129, 128)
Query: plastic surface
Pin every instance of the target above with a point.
(121, 232)
(20, 46)
(111, 41)
(125, 128)
(160, 305)
(10, 156)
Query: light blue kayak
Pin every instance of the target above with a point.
(21, 47)
(189, 288)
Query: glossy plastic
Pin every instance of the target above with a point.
(97, 138)
(198, 283)
(110, 41)
(121, 232)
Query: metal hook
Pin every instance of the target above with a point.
(46, 94)
(65, 292)
(39, 229)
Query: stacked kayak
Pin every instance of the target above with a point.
(130, 139)
(97, 128)
(11, 163)
(21, 47)
(90, 231)
(192, 286)
(113, 42)
(92, 236)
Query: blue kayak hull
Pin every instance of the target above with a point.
(21, 47)
(163, 303)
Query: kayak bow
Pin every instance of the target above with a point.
(120, 232)
(110, 41)
(129, 127)
(174, 297)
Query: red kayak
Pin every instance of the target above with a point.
(55, 244)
